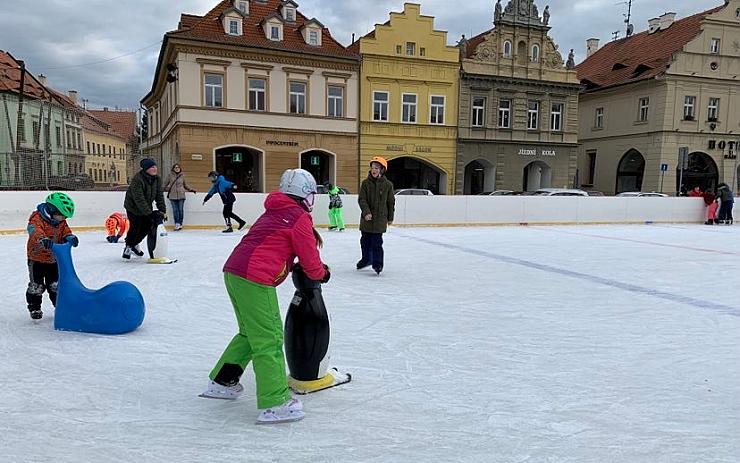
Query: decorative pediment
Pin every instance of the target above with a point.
(522, 12)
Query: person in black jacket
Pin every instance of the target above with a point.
(378, 206)
(145, 189)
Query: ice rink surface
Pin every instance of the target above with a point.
(509, 344)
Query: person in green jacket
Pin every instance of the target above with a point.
(145, 188)
(378, 206)
(336, 216)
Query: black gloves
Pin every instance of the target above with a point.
(157, 217)
(48, 243)
(327, 275)
(73, 240)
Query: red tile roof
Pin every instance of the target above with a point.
(93, 124)
(10, 78)
(641, 56)
(122, 123)
(473, 42)
(209, 28)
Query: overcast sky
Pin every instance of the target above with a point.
(67, 39)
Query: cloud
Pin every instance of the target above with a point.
(69, 33)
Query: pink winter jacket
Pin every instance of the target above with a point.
(266, 254)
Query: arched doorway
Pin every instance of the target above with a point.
(702, 172)
(480, 176)
(630, 172)
(321, 165)
(537, 175)
(407, 172)
(241, 165)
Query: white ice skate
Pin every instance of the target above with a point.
(217, 391)
(290, 411)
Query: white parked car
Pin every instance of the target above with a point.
(559, 192)
(414, 192)
(640, 194)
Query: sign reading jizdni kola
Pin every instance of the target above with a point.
(536, 152)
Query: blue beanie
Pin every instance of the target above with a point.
(147, 163)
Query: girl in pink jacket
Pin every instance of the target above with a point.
(260, 262)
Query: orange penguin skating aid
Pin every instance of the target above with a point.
(116, 225)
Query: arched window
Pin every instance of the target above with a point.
(507, 49)
(535, 53)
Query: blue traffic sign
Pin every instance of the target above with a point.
(664, 167)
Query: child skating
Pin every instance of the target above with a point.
(47, 226)
(225, 190)
(336, 214)
(259, 263)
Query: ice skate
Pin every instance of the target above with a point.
(228, 230)
(218, 391)
(36, 314)
(137, 250)
(242, 224)
(361, 264)
(285, 413)
(126, 253)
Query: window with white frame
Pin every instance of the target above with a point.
(380, 106)
(410, 48)
(644, 104)
(689, 107)
(297, 98)
(507, 49)
(233, 27)
(479, 111)
(713, 109)
(275, 33)
(556, 117)
(290, 14)
(408, 108)
(535, 53)
(504, 114)
(533, 114)
(437, 115)
(313, 38)
(336, 101)
(257, 94)
(714, 46)
(214, 90)
(243, 6)
(599, 120)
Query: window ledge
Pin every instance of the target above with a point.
(640, 122)
(596, 129)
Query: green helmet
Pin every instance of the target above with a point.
(63, 203)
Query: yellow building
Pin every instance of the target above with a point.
(409, 100)
(105, 152)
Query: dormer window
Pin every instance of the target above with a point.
(274, 32)
(233, 27)
(243, 6)
(273, 27)
(311, 32)
(289, 10)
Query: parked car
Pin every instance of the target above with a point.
(504, 193)
(321, 189)
(595, 193)
(640, 194)
(559, 192)
(414, 192)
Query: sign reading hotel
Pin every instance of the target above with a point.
(536, 152)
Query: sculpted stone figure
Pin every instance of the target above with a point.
(546, 15)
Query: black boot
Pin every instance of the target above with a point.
(35, 312)
(361, 264)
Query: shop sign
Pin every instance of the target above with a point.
(422, 149)
(281, 143)
(315, 160)
(394, 148)
(536, 152)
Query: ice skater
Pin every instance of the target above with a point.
(259, 263)
(378, 206)
(336, 215)
(116, 225)
(47, 226)
(145, 189)
(225, 190)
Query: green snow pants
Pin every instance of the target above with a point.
(260, 340)
(336, 218)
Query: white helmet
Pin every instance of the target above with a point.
(299, 183)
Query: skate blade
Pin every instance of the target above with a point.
(161, 260)
(206, 396)
(332, 379)
(286, 420)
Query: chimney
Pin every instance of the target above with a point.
(591, 46)
(43, 80)
(653, 25)
(105, 108)
(73, 96)
(666, 20)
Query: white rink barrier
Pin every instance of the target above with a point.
(93, 207)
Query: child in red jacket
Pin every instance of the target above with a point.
(47, 226)
(260, 262)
